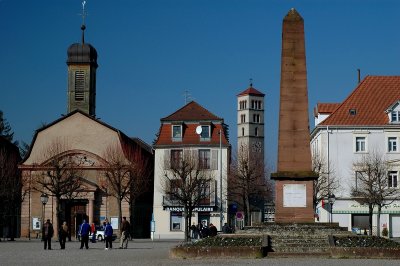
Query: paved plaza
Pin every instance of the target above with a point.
(140, 252)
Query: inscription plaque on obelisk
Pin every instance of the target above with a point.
(294, 178)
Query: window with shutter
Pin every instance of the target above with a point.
(79, 85)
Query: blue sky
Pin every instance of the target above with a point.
(152, 51)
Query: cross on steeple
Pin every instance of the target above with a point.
(83, 27)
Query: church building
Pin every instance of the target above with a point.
(80, 147)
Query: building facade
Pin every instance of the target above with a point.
(366, 122)
(194, 131)
(81, 148)
(86, 141)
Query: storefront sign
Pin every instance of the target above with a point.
(197, 209)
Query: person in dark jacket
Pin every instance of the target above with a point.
(63, 235)
(47, 234)
(125, 232)
(108, 235)
(84, 232)
(213, 230)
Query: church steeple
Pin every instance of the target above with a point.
(82, 65)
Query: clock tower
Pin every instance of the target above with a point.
(250, 122)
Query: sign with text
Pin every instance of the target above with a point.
(294, 195)
(197, 209)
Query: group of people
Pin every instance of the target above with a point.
(84, 232)
(203, 230)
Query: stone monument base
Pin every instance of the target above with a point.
(294, 197)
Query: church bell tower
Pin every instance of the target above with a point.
(250, 122)
(82, 65)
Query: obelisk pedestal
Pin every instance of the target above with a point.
(294, 178)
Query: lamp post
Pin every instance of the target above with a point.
(331, 200)
(220, 180)
(43, 198)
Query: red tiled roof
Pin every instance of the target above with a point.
(190, 137)
(192, 115)
(251, 91)
(325, 108)
(371, 98)
(191, 112)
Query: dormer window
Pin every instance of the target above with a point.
(395, 117)
(177, 132)
(393, 113)
(205, 133)
(352, 111)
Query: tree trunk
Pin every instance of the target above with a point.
(370, 213)
(58, 215)
(247, 207)
(185, 213)
(119, 215)
(378, 221)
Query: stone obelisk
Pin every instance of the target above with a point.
(294, 178)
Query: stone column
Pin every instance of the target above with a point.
(91, 210)
(294, 179)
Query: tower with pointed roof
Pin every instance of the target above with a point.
(250, 121)
(82, 65)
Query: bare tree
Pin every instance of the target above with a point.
(187, 182)
(11, 184)
(248, 180)
(126, 173)
(373, 184)
(62, 175)
(327, 182)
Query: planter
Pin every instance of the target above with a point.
(365, 252)
(218, 252)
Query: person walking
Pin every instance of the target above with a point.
(47, 234)
(84, 232)
(93, 231)
(125, 232)
(63, 235)
(108, 235)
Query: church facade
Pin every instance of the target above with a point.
(80, 147)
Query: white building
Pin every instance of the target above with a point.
(190, 129)
(367, 120)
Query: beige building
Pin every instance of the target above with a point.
(79, 144)
(85, 140)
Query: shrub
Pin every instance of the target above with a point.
(385, 232)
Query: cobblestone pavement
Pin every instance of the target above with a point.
(140, 252)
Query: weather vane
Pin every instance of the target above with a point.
(251, 82)
(83, 12)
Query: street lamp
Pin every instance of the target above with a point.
(43, 198)
(331, 200)
(220, 180)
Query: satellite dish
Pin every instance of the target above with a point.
(199, 130)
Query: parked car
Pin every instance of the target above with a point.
(99, 234)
